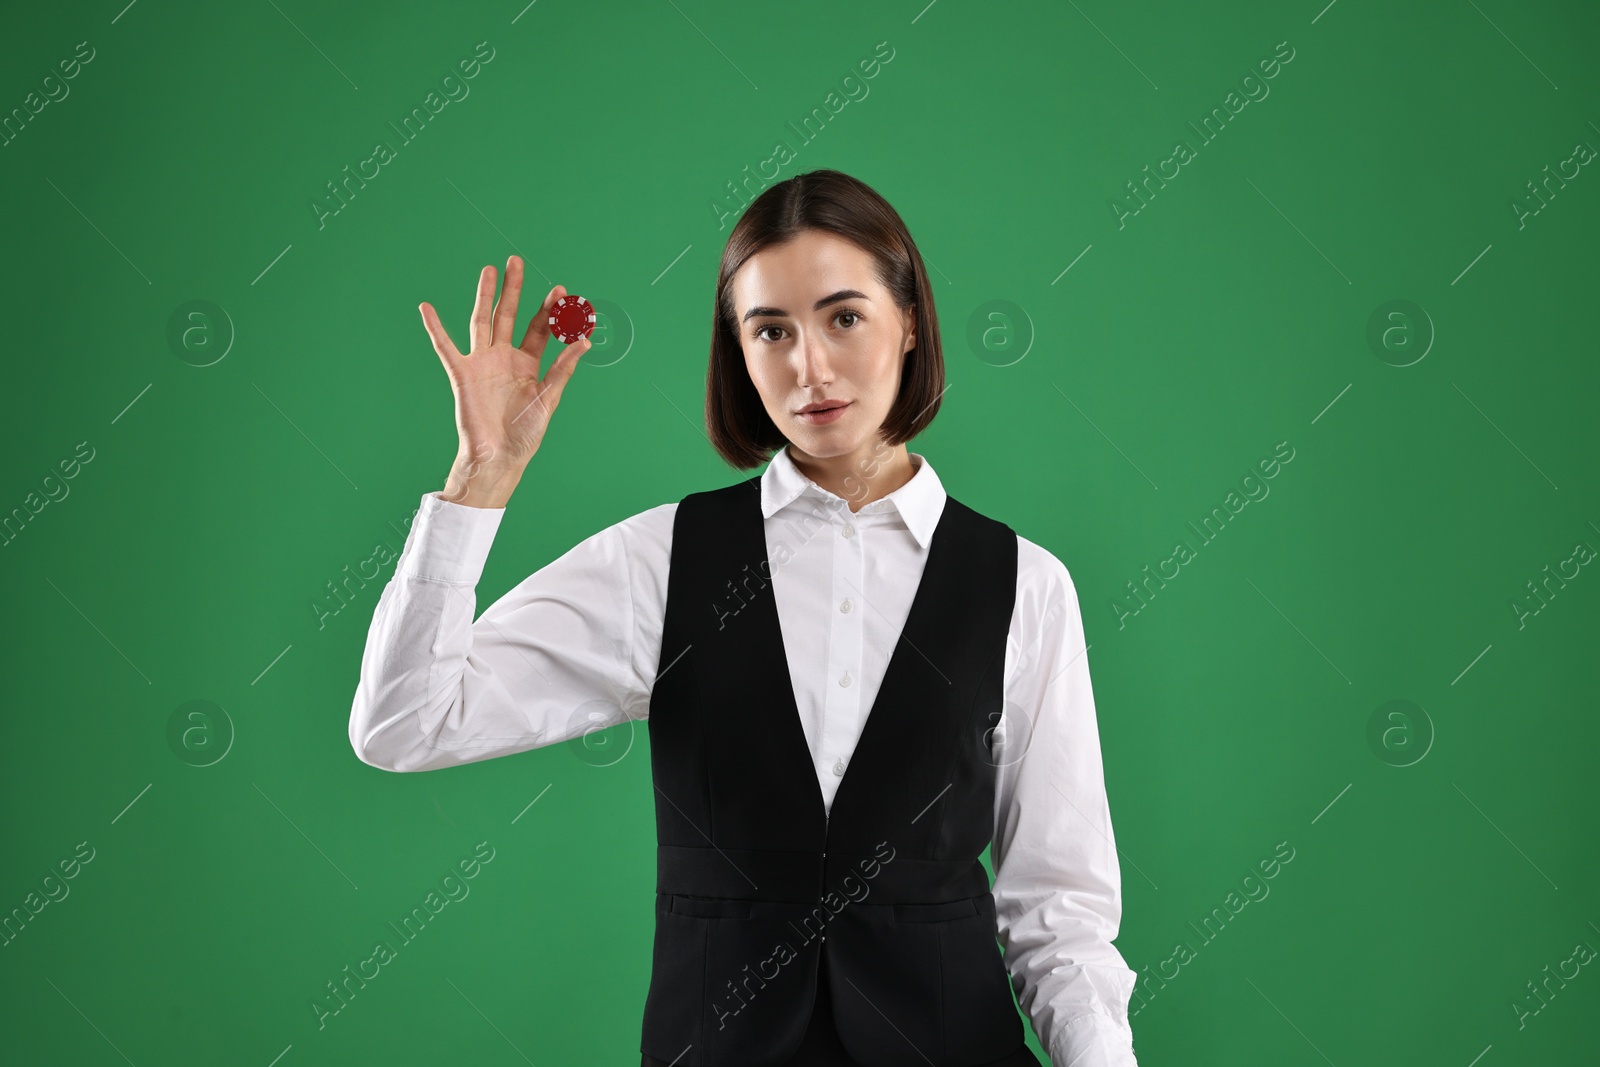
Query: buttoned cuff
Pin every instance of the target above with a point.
(1093, 1040)
(449, 542)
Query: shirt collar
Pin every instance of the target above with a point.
(919, 502)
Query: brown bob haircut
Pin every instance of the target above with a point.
(739, 426)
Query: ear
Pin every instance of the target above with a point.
(909, 317)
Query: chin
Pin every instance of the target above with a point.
(824, 446)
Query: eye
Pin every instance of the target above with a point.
(760, 331)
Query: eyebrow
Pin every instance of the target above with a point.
(832, 298)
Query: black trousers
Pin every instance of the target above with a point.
(821, 1046)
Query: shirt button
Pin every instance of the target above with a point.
(845, 607)
(838, 768)
(849, 531)
(846, 679)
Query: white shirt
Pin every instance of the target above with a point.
(575, 647)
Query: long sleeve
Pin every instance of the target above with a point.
(567, 650)
(1058, 887)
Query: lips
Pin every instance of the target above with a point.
(823, 413)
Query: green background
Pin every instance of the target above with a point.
(1230, 314)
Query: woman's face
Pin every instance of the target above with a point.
(817, 326)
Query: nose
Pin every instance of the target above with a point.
(815, 368)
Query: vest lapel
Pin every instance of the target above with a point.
(913, 663)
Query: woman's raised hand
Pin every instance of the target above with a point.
(502, 407)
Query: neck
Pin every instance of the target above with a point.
(870, 473)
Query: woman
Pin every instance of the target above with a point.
(885, 679)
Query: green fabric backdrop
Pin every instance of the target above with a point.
(1354, 243)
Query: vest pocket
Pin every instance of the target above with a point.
(972, 974)
(731, 978)
(675, 1005)
(708, 907)
(933, 913)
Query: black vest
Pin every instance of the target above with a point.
(755, 880)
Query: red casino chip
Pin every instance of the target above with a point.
(572, 319)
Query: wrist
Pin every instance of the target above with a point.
(480, 486)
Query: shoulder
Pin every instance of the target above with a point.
(977, 518)
(1046, 595)
(1038, 569)
(640, 542)
(1038, 566)
(650, 531)
(1046, 616)
(981, 533)
(723, 499)
(647, 535)
(652, 522)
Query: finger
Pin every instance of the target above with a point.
(442, 344)
(505, 313)
(561, 370)
(538, 332)
(481, 309)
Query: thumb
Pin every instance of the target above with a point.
(561, 370)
